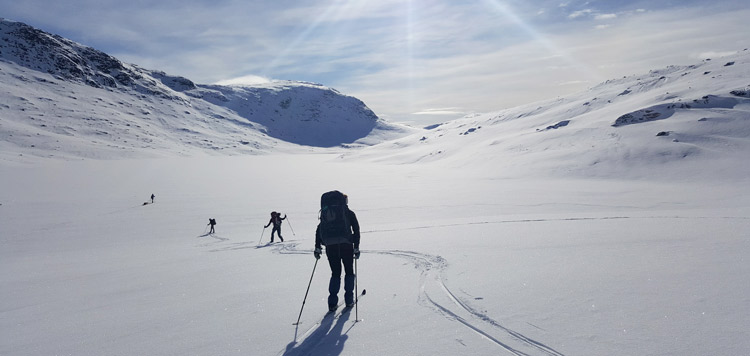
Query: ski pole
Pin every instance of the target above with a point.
(290, 226)
(308, 290)
(356, 293)
(261, 235)
(206, 229)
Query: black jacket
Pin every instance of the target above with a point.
(276, 221)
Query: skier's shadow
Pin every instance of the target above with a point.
(327, 339)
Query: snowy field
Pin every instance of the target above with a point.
(610, 222)
(454, 262)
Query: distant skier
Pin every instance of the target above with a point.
(338, 230)
(276, 221)
(212, 222)
(152, 198)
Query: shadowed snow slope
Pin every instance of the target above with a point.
(63, 99)
(680, 120)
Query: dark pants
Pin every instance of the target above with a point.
(338, 255)
(277, 229)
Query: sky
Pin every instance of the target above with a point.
(412, 61)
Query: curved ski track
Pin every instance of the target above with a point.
(431, 277)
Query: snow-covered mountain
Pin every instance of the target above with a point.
(691, 120)
(62, 99)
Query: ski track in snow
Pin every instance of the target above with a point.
(432, 268)
(552, 220)
(329, 325)
(216, 239)
(432, 278)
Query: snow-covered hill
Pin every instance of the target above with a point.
(680, 120)
(63, 99)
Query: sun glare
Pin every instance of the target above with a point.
(552, 48)
(332, 12)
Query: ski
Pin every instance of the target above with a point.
(349, 308)
(334, 313)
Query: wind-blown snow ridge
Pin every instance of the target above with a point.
(62, 99)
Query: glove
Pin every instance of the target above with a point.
(356, 253)
(317, 253)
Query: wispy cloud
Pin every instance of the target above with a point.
(573, 82)
(245, 80)
(580, 13)
(403, 58)
(709, 55)
(605, 16)
(440, 111)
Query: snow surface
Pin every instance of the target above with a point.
(585, 225)
(453, 263)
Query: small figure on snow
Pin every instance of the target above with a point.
(152, 198)
(212, 222)
(276, 221)
(338, 230)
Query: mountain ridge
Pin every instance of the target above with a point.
(674, 122)
(66, 100)
(678, 121)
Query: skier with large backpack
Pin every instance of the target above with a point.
(276, 220)
(212, 222)
(338, 230)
